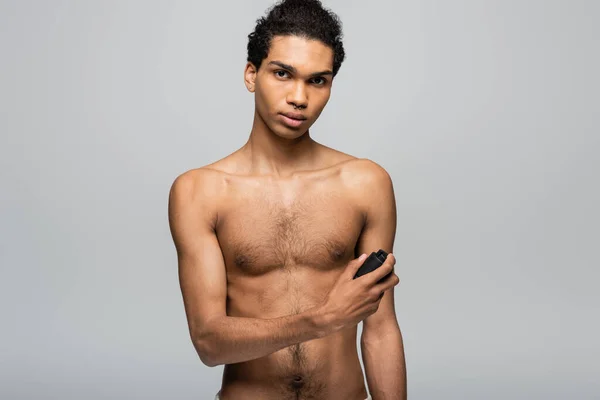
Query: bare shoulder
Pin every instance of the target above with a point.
(364, 173)
(358, 173)
(196, 193)
(350, 166)
(197, 182)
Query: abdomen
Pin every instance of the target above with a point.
(325, 368)
(322, 368)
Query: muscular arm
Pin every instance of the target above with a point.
(217, 338)
(381, 341)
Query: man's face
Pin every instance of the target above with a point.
(294, 79)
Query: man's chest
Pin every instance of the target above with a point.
(261, 229)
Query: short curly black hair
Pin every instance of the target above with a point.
(303, 18)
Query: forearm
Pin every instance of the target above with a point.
(385, 366)
(229, 340)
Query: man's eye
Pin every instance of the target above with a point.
(319, 81)
(281, 74)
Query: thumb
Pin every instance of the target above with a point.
(355, 264)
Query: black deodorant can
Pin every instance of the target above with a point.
(374, 261)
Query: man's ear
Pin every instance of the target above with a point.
(250, 76)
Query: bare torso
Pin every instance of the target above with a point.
(285, 242)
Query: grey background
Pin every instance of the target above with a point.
(485, 113)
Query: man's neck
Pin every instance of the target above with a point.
(269, 154)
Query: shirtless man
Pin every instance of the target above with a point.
(268, 238)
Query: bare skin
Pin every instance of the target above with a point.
(267, 241)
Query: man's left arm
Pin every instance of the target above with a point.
(381, 341)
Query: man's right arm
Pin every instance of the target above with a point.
(218, 338)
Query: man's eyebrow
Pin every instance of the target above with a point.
(293, 69)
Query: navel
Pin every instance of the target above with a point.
(297, 381)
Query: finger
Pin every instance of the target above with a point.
(374, 276)
(387, 283)
(355, 264)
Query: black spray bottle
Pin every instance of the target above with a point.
(374, 261)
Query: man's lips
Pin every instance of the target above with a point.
(295, 116)
(292, 120)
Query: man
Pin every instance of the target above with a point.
(268, 238)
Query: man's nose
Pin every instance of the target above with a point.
(298, 96)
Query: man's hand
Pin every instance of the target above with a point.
(351, 300)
